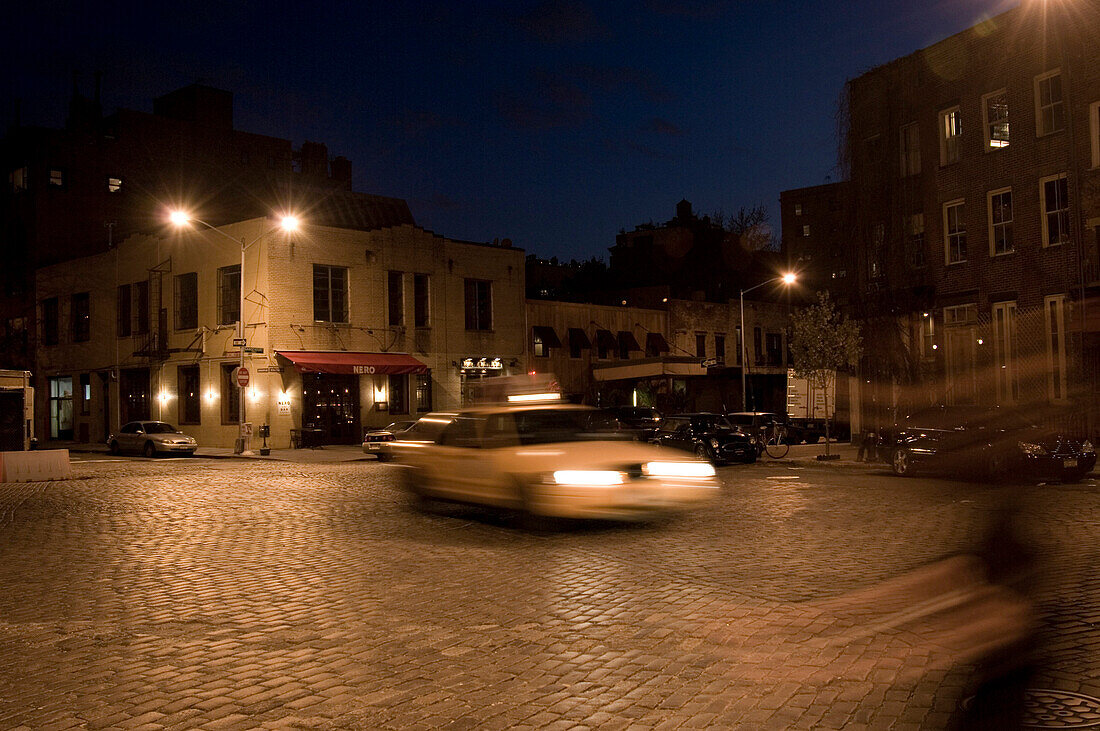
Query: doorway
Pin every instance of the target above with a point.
(330, 402)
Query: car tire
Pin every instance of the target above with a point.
(384, 457)
(750, 457)
(113, 447)
(701, 452)
(149, 450)
(900, 464)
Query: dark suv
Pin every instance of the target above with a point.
(642, 420)
(708, 436)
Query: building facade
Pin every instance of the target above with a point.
(345, 329)
(975, 191)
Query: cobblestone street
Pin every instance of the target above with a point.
(229, 594)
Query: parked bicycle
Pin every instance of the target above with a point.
(775, 441)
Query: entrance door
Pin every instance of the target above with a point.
(331, 403)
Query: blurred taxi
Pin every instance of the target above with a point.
(549, 459)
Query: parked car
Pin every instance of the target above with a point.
(545, 460)
(643, 420)
(708, 436)
(378, 441)
(755, 423)
(151, 438)
(991, 443)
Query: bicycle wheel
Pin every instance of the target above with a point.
(776, 446)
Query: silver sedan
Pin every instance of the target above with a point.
(151, 438)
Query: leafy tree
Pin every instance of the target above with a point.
(823, 341)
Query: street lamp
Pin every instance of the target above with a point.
(787, 279)
(286, 223)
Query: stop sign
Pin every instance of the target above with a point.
(242, 376)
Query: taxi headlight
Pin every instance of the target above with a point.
(1031, 449)
(589, 478)
(678, 469)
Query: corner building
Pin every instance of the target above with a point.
(975, 190)
(345, 329)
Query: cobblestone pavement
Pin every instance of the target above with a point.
(232, 594)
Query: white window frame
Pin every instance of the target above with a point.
(992, 143)
(909, 148)
(1094, 132)
(947, 232)
(806, 231)
(927, 336)
(949, 143)
(992, 224)
(1043, 212)
(1004, 352)
(1039, 107)
(1054, 316)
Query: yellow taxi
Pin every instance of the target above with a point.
(548, 459)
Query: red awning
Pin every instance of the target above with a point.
(365, 364)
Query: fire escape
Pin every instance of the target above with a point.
(153, 343)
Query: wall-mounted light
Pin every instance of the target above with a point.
(254, 394)
(935, 347)
(211, 395)
(164, 397)
(380, 401)
(283, 398)
(981, 342)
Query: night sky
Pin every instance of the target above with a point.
(555, 123)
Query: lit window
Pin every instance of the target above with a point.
(954, 226)
(910, 150)
(1000, 222)
(17, 179)
(1050, 114)
(798, 209)
(1054, 201)
(57, 178)
(995, 112)
(950, 130)
(114, 185)
(806, 231)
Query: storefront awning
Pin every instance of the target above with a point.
(578, 338)
(625, 370)
(547, 335)
(366, 364)
(627, 341)
(655, 343)
(606, 339)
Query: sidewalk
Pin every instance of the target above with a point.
(806, 455)
(322, 455)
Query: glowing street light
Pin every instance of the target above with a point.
(287, 223)
(788, 279)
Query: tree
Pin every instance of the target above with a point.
(823, 341)
(752, 225)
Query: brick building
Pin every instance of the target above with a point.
(71, 191)
(816, 227)
(350, 328)
(975, 193)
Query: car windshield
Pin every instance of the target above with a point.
(713, 422)
(159, 427)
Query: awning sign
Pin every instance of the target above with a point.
(482, 363)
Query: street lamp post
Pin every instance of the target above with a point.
(287, 223)
(787, 279)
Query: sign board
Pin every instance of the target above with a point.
(242, 377)
(252, 349)
(482, 363)
(270, 369)
(246, 429)
(806, 402)
(239, 342)
(284, 408)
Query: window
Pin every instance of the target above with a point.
(701, 345)
(774, 346)
(50, 317)
(187, 301)
(124, 307)
(57, 178)
(806, 231)
(479, 305)
(1050, 115)
(740, 345)
(914, 240)
(424, 392)
(231, 395)
(80, 312)
(1094, 132)
(910, 150)
(1000, 222)
(995, 120)
(1054, 201)
(330, 294)
(18, 179)
(85, 393)
(798, 209)
(950, 130)
(927, 336)
(141, 305)
(960, 315)
(421, 300)
(395, 289)
(757, 342)
(1054, 309)
(399, 394)
(954, 227)
(1004, 351)
(720, 348)
(539, 347)
(876, 257)
(114, 185)
(229, 295)
(187, 386)
(61, 407)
